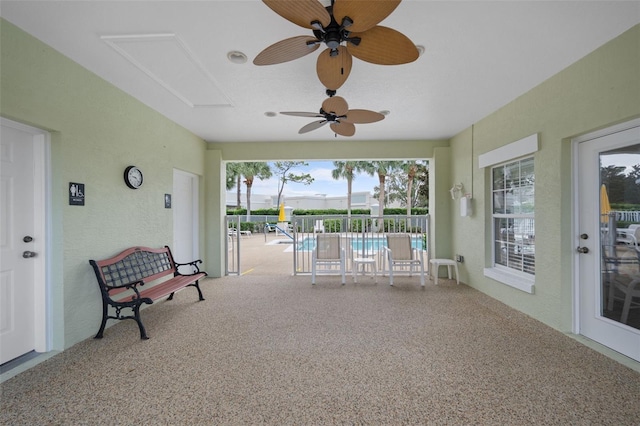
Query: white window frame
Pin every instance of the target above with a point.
(515, 151)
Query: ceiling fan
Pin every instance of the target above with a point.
(335, 110)
(348, 28)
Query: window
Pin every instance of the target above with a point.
(513, 217)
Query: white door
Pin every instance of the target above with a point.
(22, 241)
(607, 263)
(185, 216)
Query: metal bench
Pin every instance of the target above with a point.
(121, 279)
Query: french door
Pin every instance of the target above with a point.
(608, 255)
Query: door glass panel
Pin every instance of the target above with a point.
(620, 235)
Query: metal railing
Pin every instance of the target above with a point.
(363, 236)
(627, 216)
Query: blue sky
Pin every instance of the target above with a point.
(323, 182)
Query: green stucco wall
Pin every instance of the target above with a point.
(96, 132)
(597, 91)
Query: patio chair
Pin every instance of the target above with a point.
(328, 253)
(630, 236)
(401, 255)
(319, 226)
(622, 276)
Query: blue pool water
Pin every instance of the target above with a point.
(357, 244)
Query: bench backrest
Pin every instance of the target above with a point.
(134, 264)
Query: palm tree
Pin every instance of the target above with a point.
(411, 169)
(382, 168)
(234, 178)
(346, 170)
(250, 171)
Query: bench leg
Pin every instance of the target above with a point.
(143, 332)
(197, 286)
(104, 321)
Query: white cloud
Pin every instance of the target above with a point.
(323, 183)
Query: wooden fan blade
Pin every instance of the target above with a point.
(333, 71)
(343, 128)
(364, 14)
(335, 105)
(362, 116)
(300, 12)
(301, 114)
(312, 126)
(286, 50)
(383, 46)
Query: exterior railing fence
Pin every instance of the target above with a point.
(361, 236)
(627, 216)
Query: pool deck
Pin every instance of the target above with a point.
(269, 254)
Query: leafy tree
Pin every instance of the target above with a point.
(283, 170)
(632, 185)
(251, 171)
(613, 177)
(399, 188)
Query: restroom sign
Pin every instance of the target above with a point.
(76, 194)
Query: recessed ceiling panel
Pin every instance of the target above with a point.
(168, 61)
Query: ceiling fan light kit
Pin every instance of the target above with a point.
(348, 28)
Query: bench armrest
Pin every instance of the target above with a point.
(194, 265)
(132, 286)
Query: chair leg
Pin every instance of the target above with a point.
(626, 307)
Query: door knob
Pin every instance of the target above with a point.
(27, 254)
(27, 238)
(582, 250)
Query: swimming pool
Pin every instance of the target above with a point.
(359, 244)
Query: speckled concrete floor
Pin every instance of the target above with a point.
(275, 350)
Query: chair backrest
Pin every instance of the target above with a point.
(400, 246)
(636, 232)
(328, 247)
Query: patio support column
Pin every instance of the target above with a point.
(214, 213)
(440, 203)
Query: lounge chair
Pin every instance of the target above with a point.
(328, 253)
(402, 257)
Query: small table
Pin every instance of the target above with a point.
(448, 263)
(364, 261)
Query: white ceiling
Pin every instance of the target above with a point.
(479, 56)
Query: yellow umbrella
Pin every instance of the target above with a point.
(605, 207)
(281, 216)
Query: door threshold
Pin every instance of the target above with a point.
(24, 362)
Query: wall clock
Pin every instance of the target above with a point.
(133, 177)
